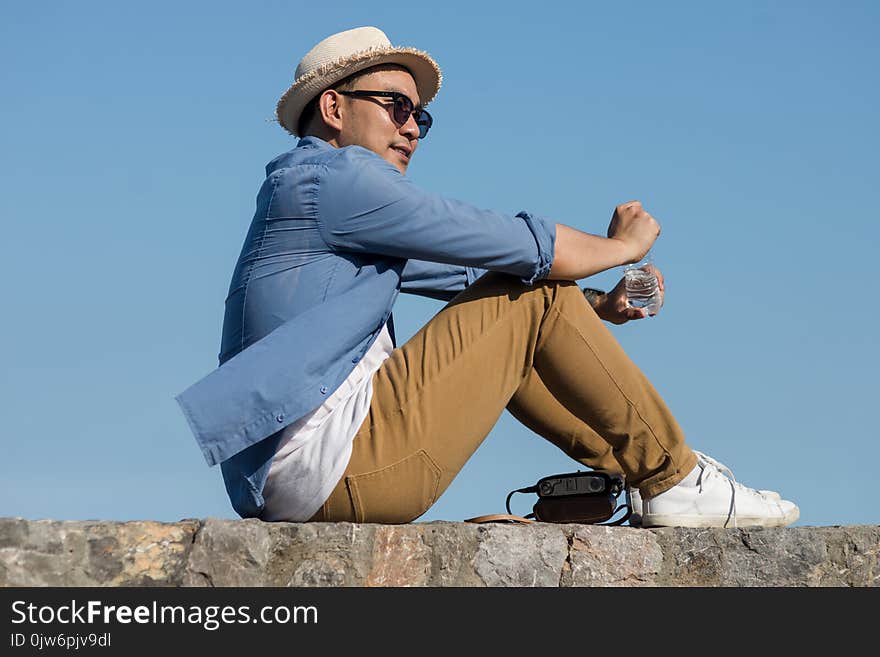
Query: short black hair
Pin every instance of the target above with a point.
(307, 115)
(310, 111)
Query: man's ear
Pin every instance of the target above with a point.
(330, 109)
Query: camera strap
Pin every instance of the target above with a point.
(575, 497)
(502, 517)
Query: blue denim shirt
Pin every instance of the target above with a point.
(337, 234)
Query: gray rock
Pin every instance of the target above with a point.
(214, 552)
(611, 556)
(800, 556)
(520, 555)
(93, 553)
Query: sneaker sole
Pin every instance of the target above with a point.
(649, 520)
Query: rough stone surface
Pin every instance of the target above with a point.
(214, 552)
(94, 553)
(801, 556)
(611, 556)
(520, 555)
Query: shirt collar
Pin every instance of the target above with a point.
(312, 142)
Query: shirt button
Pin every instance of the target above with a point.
(323, 390)
(279, 417)
(354, 360)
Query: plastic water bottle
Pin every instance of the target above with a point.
(642, 288)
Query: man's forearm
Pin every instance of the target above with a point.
(579, 255)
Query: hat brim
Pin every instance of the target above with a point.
(421, 65)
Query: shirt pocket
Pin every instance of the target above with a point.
(396, 494)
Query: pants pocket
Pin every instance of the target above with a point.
(397, 493)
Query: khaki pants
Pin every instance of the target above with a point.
(541, 352)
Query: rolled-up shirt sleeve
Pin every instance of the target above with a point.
(365, 205)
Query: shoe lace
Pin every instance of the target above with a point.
(713, 467)
(703, 459)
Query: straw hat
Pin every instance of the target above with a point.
(345, 53)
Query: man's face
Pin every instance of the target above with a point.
(369, 122)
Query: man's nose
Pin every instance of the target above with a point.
(410, 129)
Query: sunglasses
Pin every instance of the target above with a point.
(401, 110)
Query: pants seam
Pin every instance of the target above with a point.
(629, 402)
(354, 482)
(383, 414)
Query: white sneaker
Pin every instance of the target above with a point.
(716, 500)
(634, 500)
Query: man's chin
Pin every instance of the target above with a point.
(399, 160)
(400, 166)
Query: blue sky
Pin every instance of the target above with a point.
(132, 144)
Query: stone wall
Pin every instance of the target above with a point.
(216, 552)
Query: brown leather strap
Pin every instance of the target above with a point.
(501, 517)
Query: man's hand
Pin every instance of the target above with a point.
(633, 226)
(577, 255)
(612, 306)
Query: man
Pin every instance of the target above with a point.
(315, 414)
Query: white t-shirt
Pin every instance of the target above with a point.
(314, 451)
